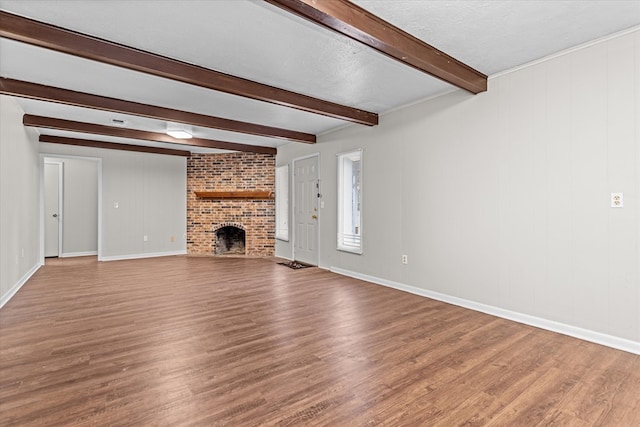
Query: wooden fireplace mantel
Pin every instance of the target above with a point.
(235, 194)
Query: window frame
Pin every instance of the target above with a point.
(282, 179)
(342, 244)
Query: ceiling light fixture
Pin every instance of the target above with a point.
(179, 131)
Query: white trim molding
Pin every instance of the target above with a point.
(6, 297)
(61, 158)
(550, 325)
(76, 254)
(143, 255)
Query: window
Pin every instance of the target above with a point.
(350, 201)
(282, 203)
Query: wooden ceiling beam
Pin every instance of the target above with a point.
(361, 25)
(81, 99)
(111, 145)
(72, 126)
(66, 41)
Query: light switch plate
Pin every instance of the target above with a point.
(617, 200)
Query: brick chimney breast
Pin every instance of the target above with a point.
(230, 172)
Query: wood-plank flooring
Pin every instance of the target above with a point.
(206, 341)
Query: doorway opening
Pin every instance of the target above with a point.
(70, 206)
(53, 205)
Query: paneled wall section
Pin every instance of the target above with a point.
(503, 198)
(142, 195)
(19, 200)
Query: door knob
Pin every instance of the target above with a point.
(55, 215)
(314, 216)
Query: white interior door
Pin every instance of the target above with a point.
(52, 173)
(305, 244)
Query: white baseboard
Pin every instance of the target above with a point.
(6, 297)
(75, 254)
(144, 255)
(538, 322)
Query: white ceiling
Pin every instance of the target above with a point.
(255, 40)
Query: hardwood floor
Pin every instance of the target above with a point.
(199, 341)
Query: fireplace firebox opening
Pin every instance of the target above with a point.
(230, 240)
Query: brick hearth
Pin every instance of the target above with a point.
(230, 172)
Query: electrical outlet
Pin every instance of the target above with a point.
(617, 200)
(405, 259)
(172, 238)
(145, 238)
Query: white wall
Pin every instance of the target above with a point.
(19, 200)
(150, 190)
(502, 198)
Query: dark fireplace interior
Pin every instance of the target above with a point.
(230, 241)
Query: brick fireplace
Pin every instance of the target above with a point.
(207, 217)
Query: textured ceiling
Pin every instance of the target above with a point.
(494, 36)
(255, 40)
